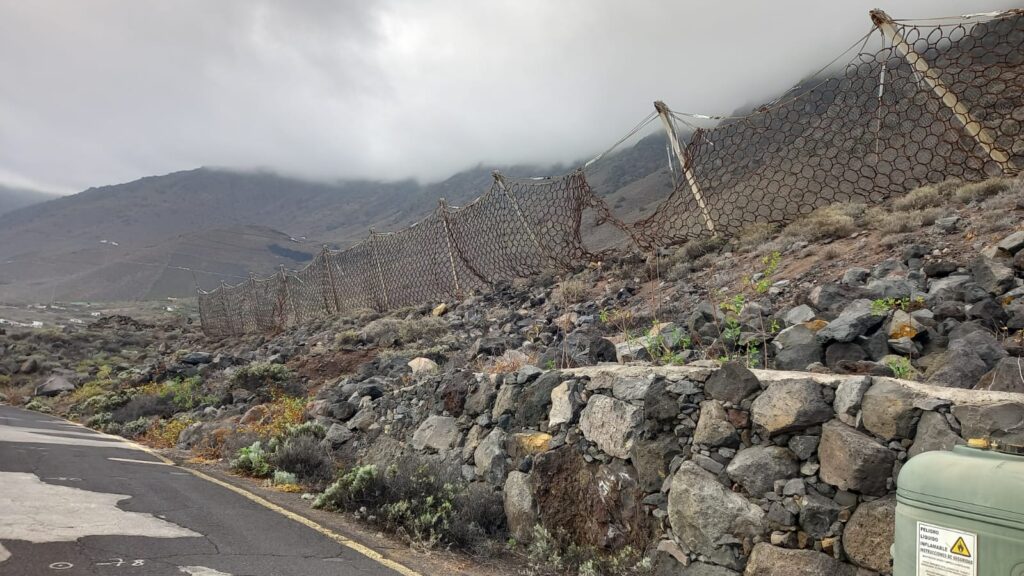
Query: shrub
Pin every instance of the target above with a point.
(166, 432)
(143, 405)
(39, 406)
(549, 554)
(282, 413)
(252, 461)
(135, 428)
(304, 456)
(572, 292)
(893, 222)
(829, 222)
(262, 374)
(425, 500)
(282, 478)
(427, 327)
(186, 393)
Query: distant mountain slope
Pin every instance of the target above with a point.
(12, 199)
(127, 241)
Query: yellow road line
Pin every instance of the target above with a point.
(346, 542)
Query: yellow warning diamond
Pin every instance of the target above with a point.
(960, 548)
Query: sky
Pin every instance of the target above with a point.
(106, 91)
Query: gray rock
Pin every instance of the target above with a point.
(1013, 243)
(849, 395)
(830, 298)
(790, 405)
(992, 275)
(713, 427)
(363, 420)
(482, 398)
(565, 403)
(768, 560)
(732, 383)
(632, 388)
(799, 315)
(632, 350)
(705, 516)
(870, 533)
(804, 447)
(843, 352)
(855, 320)
(520, 509)
(889, 410)
(949, 288)
(196, 358)
(853, 461)
(796, 348)
(855, 276)
(817, 514)
(651, 458)
(969, 357)
(933, 433)
(439, 433)
(507, 400)
(611, 424)
(889, 288)
(947, 225)
(534, 401)
(337, 436)
(490, 457)
(53, 386)
(1003, 421)
(758, 467)
(703, 569)
(1007, 376)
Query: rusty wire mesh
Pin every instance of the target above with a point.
(883, 127)
(518, 227)
(939, 100)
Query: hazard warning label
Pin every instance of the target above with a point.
(946, 551)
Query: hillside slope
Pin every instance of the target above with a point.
(12, 199)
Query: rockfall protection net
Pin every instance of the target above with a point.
(518, 228)
(943, 99)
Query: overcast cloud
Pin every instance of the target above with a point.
(105, 91)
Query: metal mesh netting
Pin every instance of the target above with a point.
(937, 101)
(519, 227)
(884, 126)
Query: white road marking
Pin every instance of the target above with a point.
(201, 571)
(4, 554)
(38, 512)
(129, 460)
(36, 436)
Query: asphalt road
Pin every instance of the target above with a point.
(74, 502)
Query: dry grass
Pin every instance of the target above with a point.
(976, 191)
(828, 222)
(572, 291)
(165, 433)
(756, 235)
(929, 196)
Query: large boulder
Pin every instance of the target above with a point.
(849, 396)
(53, 386)
(933, 433)
(855, 320)
(889, 410)
(710, 520)
(796, 348)
(583, 348)
(789, 405)
(1002, 421)
(870, 533)
(439, 433)
(853, 461)
(758, 467)
(969, 357)
(520, 509)
(481, 397)
(611, 424)
(1007, 376)
(713, 427)
(992, 275)
(731, 383)
(768, 560)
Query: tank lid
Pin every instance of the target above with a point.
(968, 479)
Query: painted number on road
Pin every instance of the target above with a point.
(946, 551)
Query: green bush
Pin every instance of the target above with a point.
(39, 406)
(135, 428)
(260, 374)
(282, 478)
(304, 456)
(421, 499)
(547, 554)
(187, 393)
(252, 461)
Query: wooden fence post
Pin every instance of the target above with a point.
(685, 164)
(442, 209)
(380, 270)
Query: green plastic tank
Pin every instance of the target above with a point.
(961, 513)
